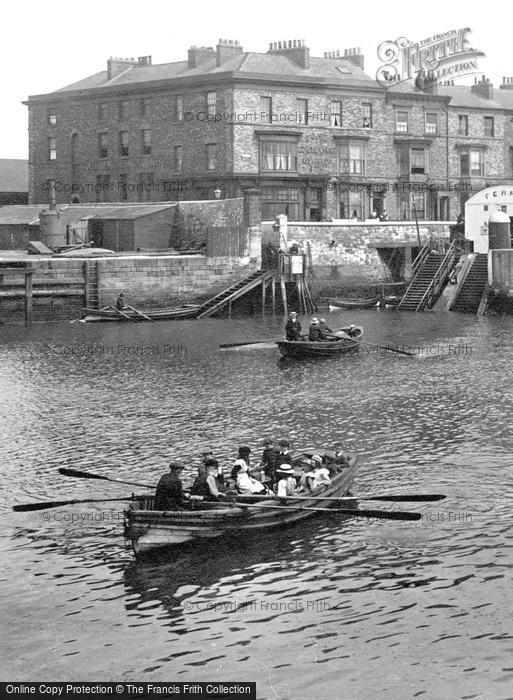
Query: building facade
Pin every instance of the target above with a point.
(321, 139)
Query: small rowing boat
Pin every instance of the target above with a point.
(147, 529)
(347, 342)
(110, 314)
(354, 303)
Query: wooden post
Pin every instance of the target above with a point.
(264, 284)
(230, 308)
(28, 298)
(284, 295)
(273, 290)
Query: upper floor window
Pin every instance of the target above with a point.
(123, 109)
(211, 103)
(179, 108)
(431, 123)
(472, 162)
(102, 111)
(401, 121)
(336, 113)
(103, 149)
(52, 149)
(178, 158)
(418, 161)
(123, 187)
(266, 110)
(302, 110)
(463, 124)
(351, 158)
(278, 155)
(211, 156)
(52, 118)
(146, 141)
(489, 126)
(123, 143)
(145, 105)
(367, 115)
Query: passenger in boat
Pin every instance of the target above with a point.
(213, 491)
(169, 494)
(292, 327)
(120, 303)
(314, 332)
(207, 456)
(319, 475)
(199, 487)
(286, 485)
(353, 331)
(246, 484)
(244, 452)
(283, 456)
(237, 466)
(340, 460)
(268, 461)
(323, 325)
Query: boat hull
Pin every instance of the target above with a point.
(99, 315)
(354, 303)
(147, 530)
(300, 349)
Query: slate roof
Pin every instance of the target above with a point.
(29, 213)
(13, 175)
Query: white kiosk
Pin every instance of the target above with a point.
(478, 210)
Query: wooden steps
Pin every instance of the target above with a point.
(413, 299)
(235, 291)
(468, 296)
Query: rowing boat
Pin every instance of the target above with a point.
(110, 314)
(346, 344)
(355, 303)
(147, 529)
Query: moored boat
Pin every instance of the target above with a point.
(367, 303)
(147, 529)
(347, 343)
(110, 314)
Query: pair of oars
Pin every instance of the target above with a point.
(387, 515)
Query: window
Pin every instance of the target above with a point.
(123, 187)
(123, 143)
(401, 121)
(351, 158)
(266, 110)
(489, 126)
(102, 188)
(278, 155)
(52, 118)
(123, 107)
(352, 205)
(302, 110)
(463, 125)
(103, 150)
(472, 163)
(178, 158)
(146, 141)
(211, 156)
(431, 124)
(179, 108)
(336, 113)
(211, 103)
(280, 200)
(52, 149)
(418, 161)
(411, 204)
(145, 186)
(102, 111)
(145, 105)
(366, 115)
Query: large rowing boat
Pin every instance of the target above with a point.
(148, 529)
(347, 343)
(111, 314)
(366, 303)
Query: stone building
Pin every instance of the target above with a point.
(319, 137)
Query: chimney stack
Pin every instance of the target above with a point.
(199, 54)
(116, 66)
(356, 56)
(144, 60)
(226, 49)
(294, 49)
(483, 88)
(507, 84)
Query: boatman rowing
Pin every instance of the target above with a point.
(293, 327)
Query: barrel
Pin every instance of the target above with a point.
(499, 235)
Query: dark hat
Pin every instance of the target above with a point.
(245, 449)
(212, 463)
(267, 441)
(175, 466)
(284, 442)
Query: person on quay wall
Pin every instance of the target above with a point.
(293, 327)
(169, 494)
(120, 303)
(383, 216)
(286, 486)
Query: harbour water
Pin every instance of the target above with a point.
(332, 607)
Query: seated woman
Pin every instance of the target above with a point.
(286, 482)
(318, 476)
(246, 484)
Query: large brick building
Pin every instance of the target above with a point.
(318, 137)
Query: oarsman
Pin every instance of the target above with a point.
(169, 493)
(120, 303)
(293, 327)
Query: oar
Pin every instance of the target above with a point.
(250, 342)
(128, 318)
(139, 313)
(387, 347)
(24, 507)
(89, 475)
(384, 514)
(415, 498)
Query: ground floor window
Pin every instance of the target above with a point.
(354, 204)
(409, 204)
(280, 200)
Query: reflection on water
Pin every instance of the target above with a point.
(331, 605)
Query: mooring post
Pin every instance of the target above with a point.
(264, 284)
(273, 289)
(28, 298)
